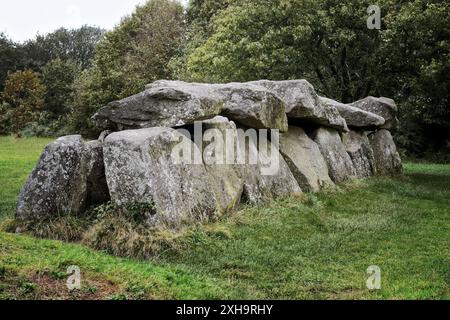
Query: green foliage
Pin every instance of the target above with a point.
(199, 17)
(5, 118)
(58, 77)
(328, 43)
(135, 53)
(59, 56)
(76, 45)
(9, 59)
(45, 126)
(134, 211)
(23, 97)
(322, 41)
(417, 59)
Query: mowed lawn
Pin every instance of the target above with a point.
(314, 247)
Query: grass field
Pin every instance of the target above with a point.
(317, 247)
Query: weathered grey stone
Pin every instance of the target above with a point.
(358, 147)
(355, 117)
(304, 159)
(253, 106)
(58, 183)
(302, 102)
(103, 135)
(226, 176)
(176, 103)
(280, 183)
(260, 184)
(387, 159)
(246, 166)
(140, 167)
(340, 165)
(161, 105)
(384, 107)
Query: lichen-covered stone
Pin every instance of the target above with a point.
(58, 184)
(225, 176)
(387, 159)
(303, 103)
(253, 106)
(247, 166)
(384, 107)
(340, 165)
(176, 103)
(358, 147)
(355, 117)
(261, 186)
(304, 159)
(140, 168)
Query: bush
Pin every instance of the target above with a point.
(5, 118)
(45, 126)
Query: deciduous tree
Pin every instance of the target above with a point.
(23, 97)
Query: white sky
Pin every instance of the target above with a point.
(23, 19)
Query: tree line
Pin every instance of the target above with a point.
(54, 83)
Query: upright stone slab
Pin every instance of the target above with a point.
(358, 147)
(340, 165)
(279, 183)
(387, 159)
(65, 180)
(384, 107)
(302, 102)
(261, 183)
(142, 167)
(263, 176)
(304, 159)
(226, 176)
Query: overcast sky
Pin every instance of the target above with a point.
(23, 19)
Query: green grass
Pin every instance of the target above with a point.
(311, 248)
(17, 159)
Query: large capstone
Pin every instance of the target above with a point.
(176, 103)
(151, 167)
(387, 159)
(355, 117)
(384, 107)
(303, 103)
(358, 147)
(340, 165)
(162, 105)
(304, 159)
(66, 180)
(253, 106)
